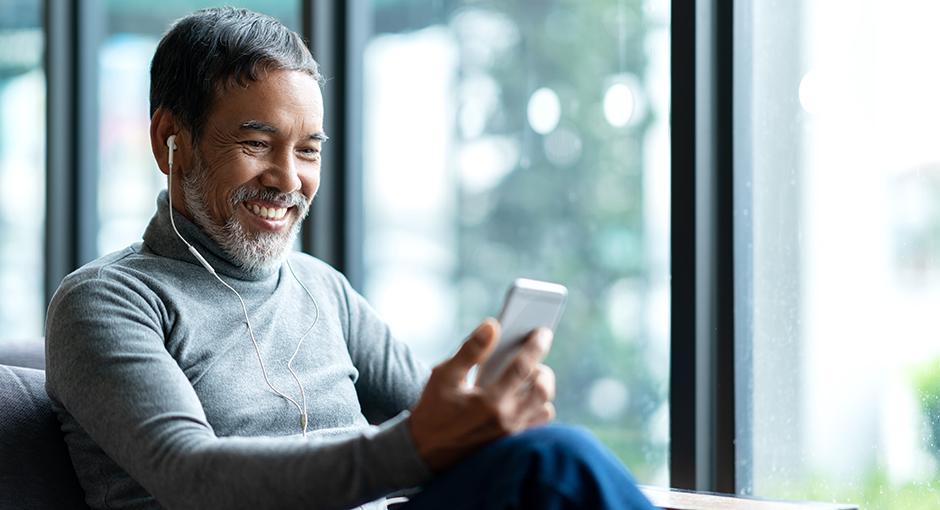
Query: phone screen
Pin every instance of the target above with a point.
(529, 304)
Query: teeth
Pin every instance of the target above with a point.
(271, 214)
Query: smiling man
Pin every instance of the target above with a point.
(209, 366)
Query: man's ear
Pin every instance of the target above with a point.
(162, 125)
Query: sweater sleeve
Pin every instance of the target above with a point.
(107, 366)
(390, 377)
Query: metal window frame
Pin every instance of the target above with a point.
(702, 355)
(323, 26)
(71, 31)
(336, 32)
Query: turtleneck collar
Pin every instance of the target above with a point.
(162, 240)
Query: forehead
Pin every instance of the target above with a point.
(285, 99)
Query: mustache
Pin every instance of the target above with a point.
(293, 199)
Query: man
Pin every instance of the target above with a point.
(211, 367)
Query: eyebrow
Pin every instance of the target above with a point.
(257, 125)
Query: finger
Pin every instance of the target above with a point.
(542, 340)
(545, 414)
(525, 361)
(540, 390)
(475, 349)
(543, 383)
(543, 376)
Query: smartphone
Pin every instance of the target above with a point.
(529, 304)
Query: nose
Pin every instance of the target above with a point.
(282, 174)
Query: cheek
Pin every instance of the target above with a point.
(218, 199)
(311, 182)
(227, 175)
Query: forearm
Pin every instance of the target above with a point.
(196, 471)
(152, 426)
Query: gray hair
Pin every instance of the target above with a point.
(212, 49)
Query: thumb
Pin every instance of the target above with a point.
(475, 349)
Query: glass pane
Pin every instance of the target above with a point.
(838, 206)
(129, 179)
(528, 139)
(22, 169)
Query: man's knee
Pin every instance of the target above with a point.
(554, 467)
(570, 443)
(567, 467)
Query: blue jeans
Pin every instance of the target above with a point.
(546, 468)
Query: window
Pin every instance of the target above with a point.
(838, 209)
(129, 180)
(22, 169)
(532, 138)
(508, 139)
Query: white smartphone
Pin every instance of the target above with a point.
(529, 304)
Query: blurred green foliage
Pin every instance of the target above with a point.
(875, 491)
(927, 386)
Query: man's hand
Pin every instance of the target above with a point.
(453, 418)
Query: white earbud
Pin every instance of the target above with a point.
(171, 144)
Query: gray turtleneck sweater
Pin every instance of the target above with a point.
(162, 400)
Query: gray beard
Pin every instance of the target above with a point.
(255, 252)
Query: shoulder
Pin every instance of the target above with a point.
(118, 278)
(134, 268)
(106, 268)
(98, 308)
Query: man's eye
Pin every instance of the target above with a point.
(254, 144)
(310, 152)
